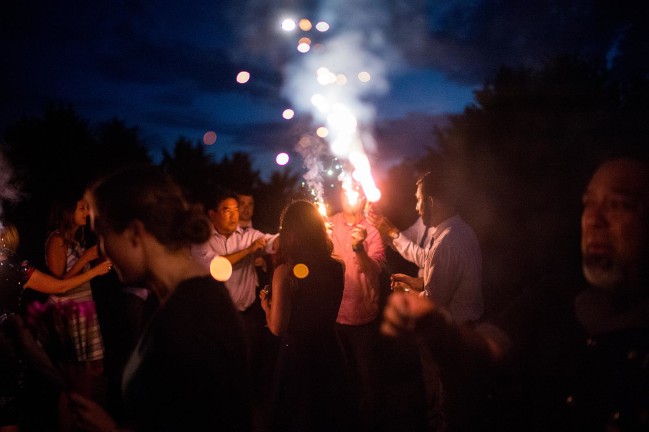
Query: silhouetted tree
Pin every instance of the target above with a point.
(56, 153)
(272, 197)
(236, 172)
(119, 145)
(51, 155)
(194, 169)
(198, 173)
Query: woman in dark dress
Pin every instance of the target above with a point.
(188, 371)
(310, 390)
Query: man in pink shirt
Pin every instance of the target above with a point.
(359, 244)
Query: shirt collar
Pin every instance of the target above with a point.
(445, 224)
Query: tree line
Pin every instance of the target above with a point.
(521, 153)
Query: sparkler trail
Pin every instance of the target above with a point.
(312, 149)
(335, 57)
(333, 78)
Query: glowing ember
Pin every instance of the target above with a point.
(209, 137)
(220, 268)
(300, 271)
(305, 24)
(243, 77)
(282, 159)
(322, 26)
(341, 116)
(288, 25)
(288, 114)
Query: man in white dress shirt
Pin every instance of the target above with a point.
(240, 246)
(420, 234)
(451, 260)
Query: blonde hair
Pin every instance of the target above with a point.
(9, 238)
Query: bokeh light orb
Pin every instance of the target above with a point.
(209, 138)
(288, 114)
(305, 24)
(303, 47)
(243, 77)
(325, 76)
(320, 102)
(288, 25)
(364, 76)
(220, 268)
(322, 132)
(322, 26)
(282, 159)
(300, 271)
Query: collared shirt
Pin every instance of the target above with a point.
(452, 268)
(357, 306)
(419, 233)
(243, 282)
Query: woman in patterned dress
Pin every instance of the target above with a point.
(66, 256)
(15, 276)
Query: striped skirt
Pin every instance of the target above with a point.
(81, 321)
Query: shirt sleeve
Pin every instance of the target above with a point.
(412, 232)
(374, 246)
(271, 242)
(410, 250)
(203, 254)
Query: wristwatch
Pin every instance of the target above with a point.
(394, 234)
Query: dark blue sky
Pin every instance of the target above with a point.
(170, 67)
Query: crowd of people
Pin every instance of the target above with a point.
(312, 331)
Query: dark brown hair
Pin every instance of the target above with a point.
(302, 234)
(149, 195)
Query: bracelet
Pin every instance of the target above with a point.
(358, 248)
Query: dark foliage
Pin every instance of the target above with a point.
(58, 154)
(523, 153)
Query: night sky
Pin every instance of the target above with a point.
(170, 67)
